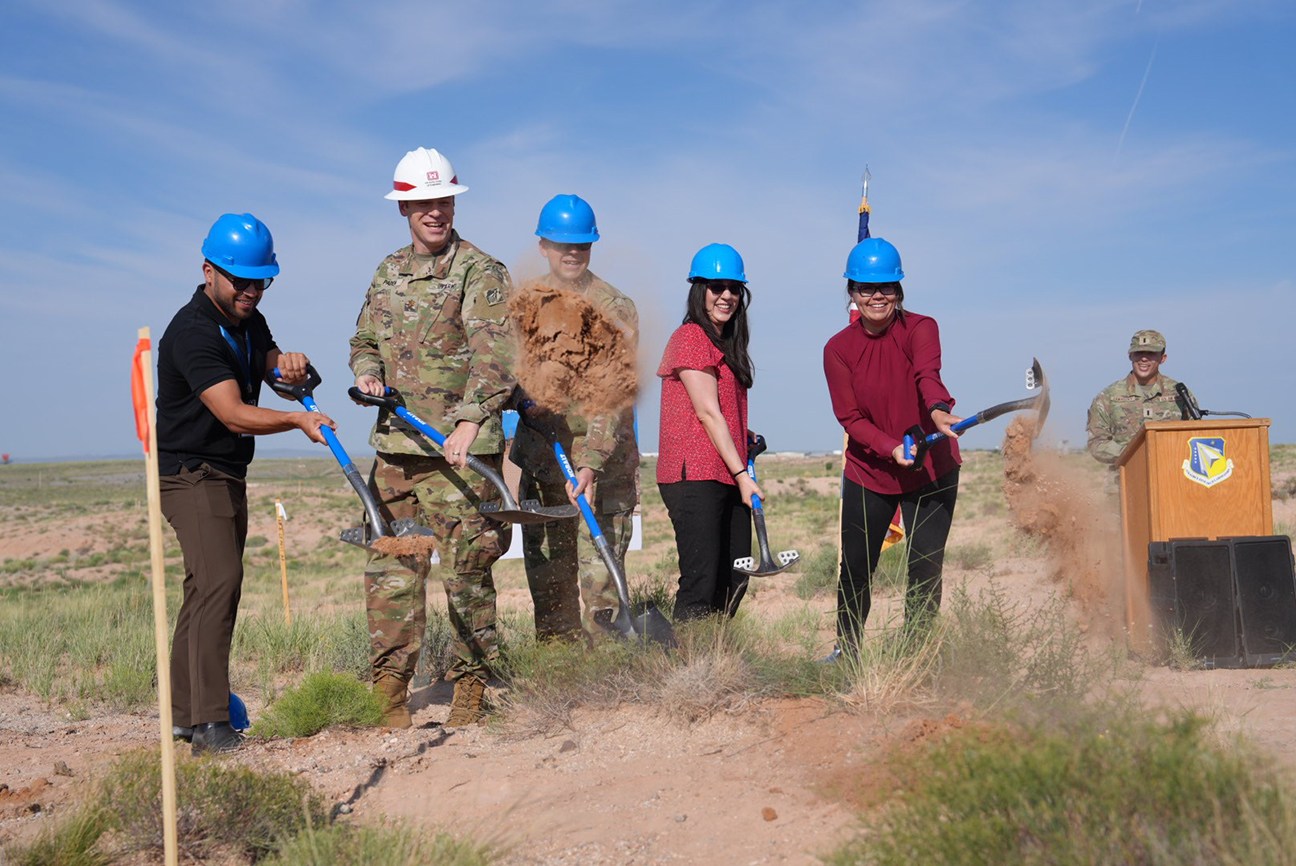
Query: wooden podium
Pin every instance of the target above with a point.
(1189, 479)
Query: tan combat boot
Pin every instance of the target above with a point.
(394, 692)
(467, 707)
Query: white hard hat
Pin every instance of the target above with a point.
(424, 174)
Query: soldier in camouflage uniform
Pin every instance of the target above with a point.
(434, 326)
(1146, 394)
(562, 564)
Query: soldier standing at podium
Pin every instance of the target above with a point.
(1146, 394)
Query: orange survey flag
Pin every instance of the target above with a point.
(138, 395)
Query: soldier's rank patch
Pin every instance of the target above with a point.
(1207, 463)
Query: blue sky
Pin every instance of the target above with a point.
(1039, 209)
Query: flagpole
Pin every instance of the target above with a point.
(280, 514)
(142, 392)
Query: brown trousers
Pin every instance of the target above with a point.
(208, 511)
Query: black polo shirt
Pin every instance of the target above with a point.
(193, 355)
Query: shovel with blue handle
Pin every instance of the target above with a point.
(646, 624)
(360, 536)
(917, 444)
(748, 564)
(507, 510)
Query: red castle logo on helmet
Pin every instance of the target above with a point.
(434, 175)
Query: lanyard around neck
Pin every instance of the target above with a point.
(244, 357)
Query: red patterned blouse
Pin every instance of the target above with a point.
(686, 452)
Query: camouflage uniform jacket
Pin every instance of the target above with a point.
(604, 443)
(1120, 409)
(436, 328)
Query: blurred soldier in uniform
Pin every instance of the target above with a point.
(1146, 394)
(434, 326)
(562, 564)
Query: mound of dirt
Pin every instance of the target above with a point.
(572, 352)
(1078, 525)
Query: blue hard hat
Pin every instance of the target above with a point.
(567, 219)
(874, 260)
(717, 262)
(238, 713)
(241, 245)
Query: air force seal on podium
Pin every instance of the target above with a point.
(1207, 464)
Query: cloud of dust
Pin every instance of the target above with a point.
(1077, 524)
(571, 352)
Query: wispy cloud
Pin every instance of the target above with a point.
(989, 126)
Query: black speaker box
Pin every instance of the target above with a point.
(1191, 586)
(1266, 593)
(1233, 598)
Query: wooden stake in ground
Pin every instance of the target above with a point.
(146, 429)
(280, 517)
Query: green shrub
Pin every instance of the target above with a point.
(73, 841)
(257, 541)
(223, 810)
(343, 845)
(1123, 790)
(323, 699)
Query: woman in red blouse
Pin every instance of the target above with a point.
(883, 374)
(702, 465)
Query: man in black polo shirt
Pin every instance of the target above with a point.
(211, 362)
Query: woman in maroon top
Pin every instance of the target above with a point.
(883, 375)
(702, 465)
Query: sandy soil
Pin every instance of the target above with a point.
(623, 786)
(777, 782)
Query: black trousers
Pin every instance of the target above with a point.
(712, 529)
(928, 513)
(208, 510)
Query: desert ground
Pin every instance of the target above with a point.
(735, 748)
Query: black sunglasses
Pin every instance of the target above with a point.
(245, 284)
(718, 288)
(868, 290)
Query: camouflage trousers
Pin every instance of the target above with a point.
(563, 566)
(443, 500)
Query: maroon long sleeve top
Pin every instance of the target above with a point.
(881, 385)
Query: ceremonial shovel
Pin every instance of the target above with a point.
(643, 625)
(507, 510)
(360, 536)
(1040, 403)
(747, 564)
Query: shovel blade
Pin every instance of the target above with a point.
(653, 626)
(355, 535)
(1035, 379)
(748, 565)
(528, 511)
(407, 526)
(647, 625)
(360, 537)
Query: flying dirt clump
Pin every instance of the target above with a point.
(572, 352)
(1077, 524)
(410, 545)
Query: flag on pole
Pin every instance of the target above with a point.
(864, 210)
(139, 395)
(146, 430)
